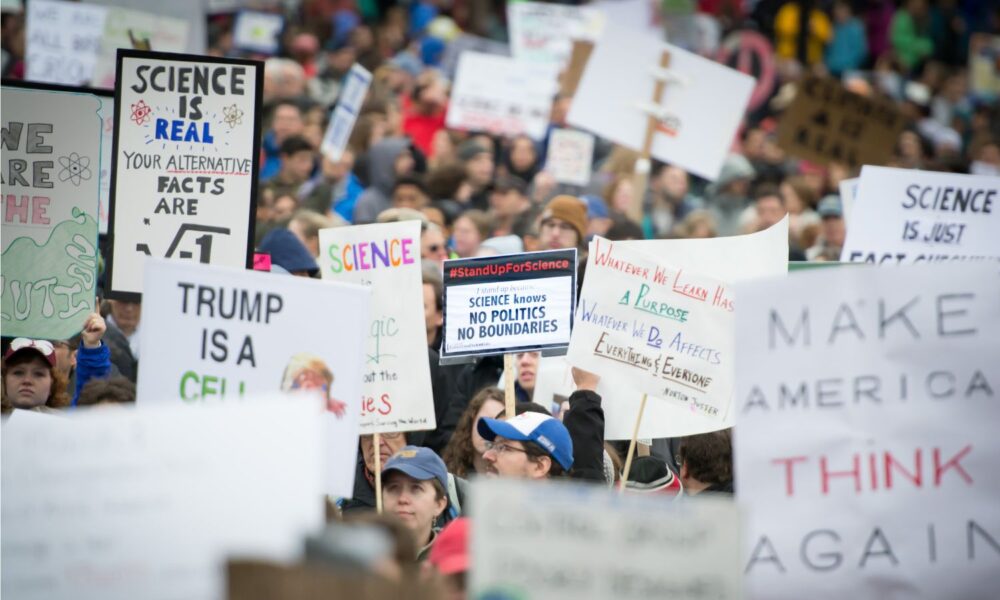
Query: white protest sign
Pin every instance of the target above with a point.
(866, 447)
(185, 177)
(730, 259)
(570, 156)
(500, 95)
(618, 81)
(848, 189)
(352, 97)
(52, 159)
(396, 392)
(638, 15)
(190, 11)
(258, 31)
(219, 334)
(568, 541)
(544, 33)
(122, 26)
(118, 503)
(510, 303)
(62, 40)
(907, 216)
(667, 329)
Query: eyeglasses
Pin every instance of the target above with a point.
(43, 346)
(502, 447)
(395, 435)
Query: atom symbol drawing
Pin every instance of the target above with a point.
(141, 112)
(75, 168)
(234, 116)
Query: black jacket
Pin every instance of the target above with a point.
(585, 422)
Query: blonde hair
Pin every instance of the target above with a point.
(305, 362)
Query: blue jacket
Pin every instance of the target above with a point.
(91, 363)
(848, 48)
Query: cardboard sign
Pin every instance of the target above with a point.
(124, 27)
(570, 156)
(52, 162)
(667, 329)
(256, 31)
(121, 503)
(500, 95)
(186, 160)
(544, 33)
(396, 395)
(352, 97)
(512, 303)
(731, 259)
(219, 334)
(618, 81)
(62, 40)
(566, 541)
(907, 216)
(828, 124)
(866, 442)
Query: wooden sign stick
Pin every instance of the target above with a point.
(508, 384)
(378, 472)
(640, 179)
(631, 447)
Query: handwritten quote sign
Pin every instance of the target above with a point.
(185, 164)
(570, 156)
(543, 33)
(908, 216)
(51, 173)
(62, 41)
(396, 393)
(866, 432)
(221, 334)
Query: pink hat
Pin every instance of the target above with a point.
(450, 552)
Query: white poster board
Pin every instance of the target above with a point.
(731, 259)
(396, 392)
(848, 189)
(544, 33)
(907, 216)
(186, 162)
(52, 161)
(164, 34)
(118, 503)
(501, 95)
(62, 40)
(217, 334)
(667, 329)
(865, 445)
(191, 11)
(618, 80)
(570, 156)
(572, 541)
(352, 97)
(257, 31)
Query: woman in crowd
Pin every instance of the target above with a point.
(415, 489)
(464, 453)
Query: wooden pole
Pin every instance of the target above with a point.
(376, 442)
(640, 179)
(508, 384)
(631, 446)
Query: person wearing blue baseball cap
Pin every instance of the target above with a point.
(530, 445)
(414, 488)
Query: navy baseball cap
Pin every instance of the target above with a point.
(419, 463)
(545, 431)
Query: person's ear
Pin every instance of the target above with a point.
(541, 466)
(684, 474)
(442, 503)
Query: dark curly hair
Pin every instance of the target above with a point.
(708, 456)
(459, 452)
(58, 395)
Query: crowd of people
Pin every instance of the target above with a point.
(484, 193)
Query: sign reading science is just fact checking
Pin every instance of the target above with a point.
(185, 163)
(512, 303)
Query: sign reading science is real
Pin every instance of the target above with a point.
(512, 303)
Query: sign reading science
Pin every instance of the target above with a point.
(512, 303)
(185, 163)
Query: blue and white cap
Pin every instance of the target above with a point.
(545, 431)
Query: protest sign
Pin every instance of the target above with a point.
(566, 541)
(667, 329)
(570, 156)
(637, 15)
(730, 259)
(396, 392)
(52, 160)
(352, 97)
(984, 65)
(123, 503)
(62, 40)
(544, 33)
(123, 28)
(186, 161)
(865, 441)
(512, 303)
(618, 82)
(469, 43)
(216, 334)
(500, 95)
(190, 11)
(827, 124)
(848, 190)
(257, 31)
(107, 115)
(907, 216)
